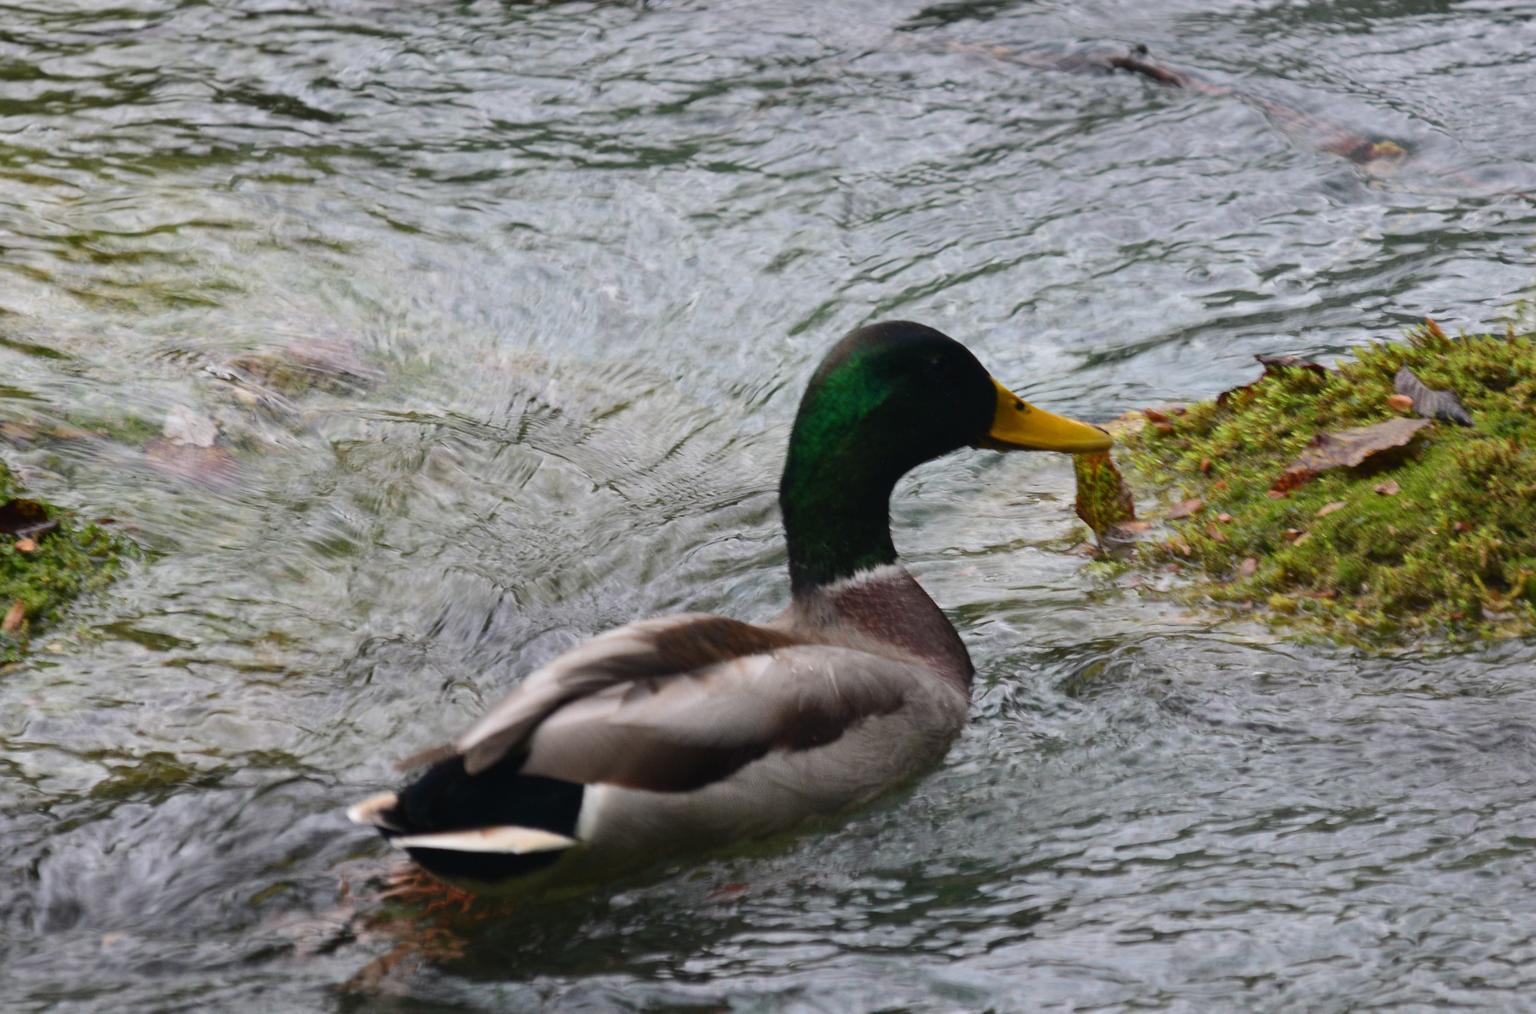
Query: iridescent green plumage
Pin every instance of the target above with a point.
(887, 398)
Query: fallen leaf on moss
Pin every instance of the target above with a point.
(1103, 498)
(1347, 449)
(13, 618)
(1328, 508)
(1129, 529)
(1400, 403)
(1389, 488)
(1185, 508)
(1224, 518)
(1248, 568)
(1272, 366)
(1429, 402)
(27, 545)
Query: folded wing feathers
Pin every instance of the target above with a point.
(567, 678)
(675, 704)
(618, 655)
(690, 731)
(649, 649)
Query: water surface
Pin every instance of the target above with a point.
(500, 312)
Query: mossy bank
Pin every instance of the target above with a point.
(1434, 537)
(48, 559)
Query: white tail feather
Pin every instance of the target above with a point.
(369, 810)
(515, 840)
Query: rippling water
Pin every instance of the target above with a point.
(499, 312)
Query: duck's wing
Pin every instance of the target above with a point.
(670, 732)
(675, 704)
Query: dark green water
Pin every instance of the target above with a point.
(560, 272)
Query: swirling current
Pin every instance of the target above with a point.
(414, 343)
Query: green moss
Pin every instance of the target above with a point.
(72, 560)
(1453, 553)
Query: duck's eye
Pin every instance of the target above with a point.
(1019, 406)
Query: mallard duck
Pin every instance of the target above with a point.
(693, 731)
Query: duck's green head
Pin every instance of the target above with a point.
(887, 398)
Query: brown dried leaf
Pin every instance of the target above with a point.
(1103, 498)
(1400, 403)
(1389, 488)
(1224, 518)
(1328, 508)
(1233, 392)
(1185, 508)
(1272, 366)
(1248, 567)
(1429, 402)
(13, 618)
(1347, 449)
(27, 545)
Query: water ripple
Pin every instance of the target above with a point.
(417, 343)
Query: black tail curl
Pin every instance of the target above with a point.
(446, 798)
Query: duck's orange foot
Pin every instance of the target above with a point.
(729, 892)
(412, 885)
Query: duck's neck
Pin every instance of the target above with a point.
(837, 520)
(842, 564)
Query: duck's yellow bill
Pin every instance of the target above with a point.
(1019, 426)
